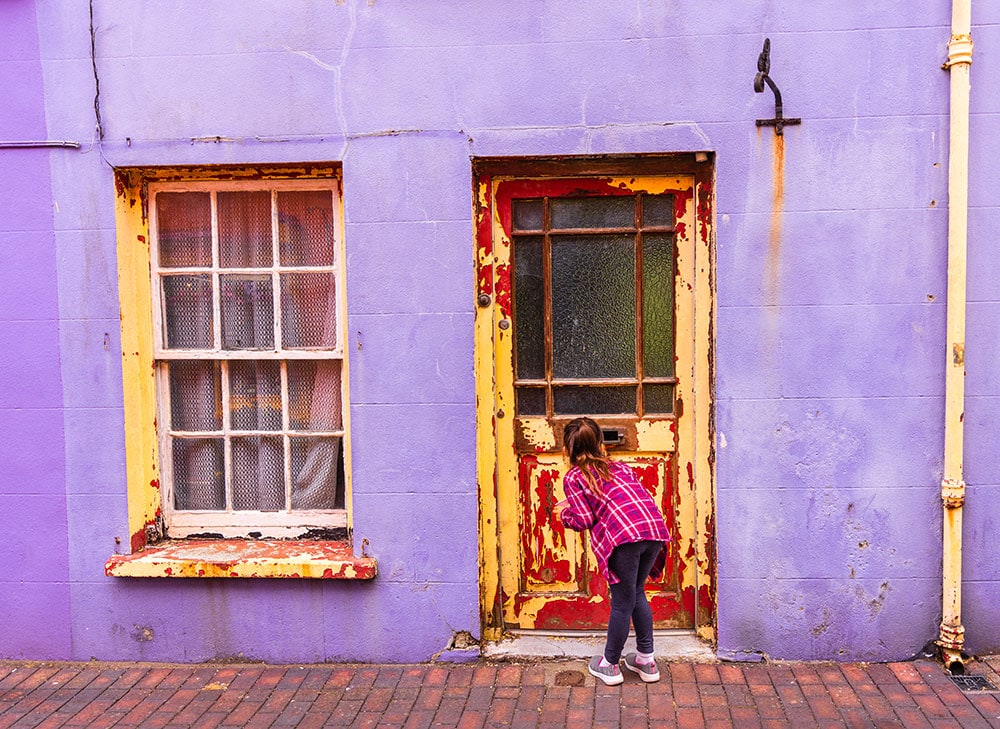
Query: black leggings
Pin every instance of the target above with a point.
(631, 563)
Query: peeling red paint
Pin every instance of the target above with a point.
(155, 484)
(484, 238)
(543, 538)
(503, 289)
(704, 212)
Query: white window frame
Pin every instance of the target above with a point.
(241, 523)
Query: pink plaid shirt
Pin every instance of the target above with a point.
(625, 513)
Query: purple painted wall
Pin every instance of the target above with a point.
(830, 316)
(34, 611)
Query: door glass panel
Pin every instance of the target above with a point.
(658, 210)
(593, 212)
(658, 305)
(593, 306)
(529, 306)
(582, 400)
(658, 399)
(530, 401)
(527, 215)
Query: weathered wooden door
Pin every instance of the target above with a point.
(591, 312)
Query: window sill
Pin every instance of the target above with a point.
(242, 558)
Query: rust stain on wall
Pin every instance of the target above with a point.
(777, 209)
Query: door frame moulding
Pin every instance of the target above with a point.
(698, 466)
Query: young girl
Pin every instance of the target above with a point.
(628, 537)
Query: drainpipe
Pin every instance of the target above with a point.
(951, 638)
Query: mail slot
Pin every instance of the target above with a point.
(613, 436)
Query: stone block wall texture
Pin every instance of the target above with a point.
(831, 279)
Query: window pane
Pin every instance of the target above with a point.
(184, 228)
(247, 312)
(308, 310)
(530, 401)
(255, 395)
(658, 305)
(195, 396)
(198, 480)
(245, 229)
(658, 210)
(593, 212)
(305, 228)
(529, 308)
(527, 215)
(314, 395)
(187, 311)
(317, 473)
(593, 306)
(580, 400)
(658, 399)
(258, 476)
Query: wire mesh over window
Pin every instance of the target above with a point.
(248, 353)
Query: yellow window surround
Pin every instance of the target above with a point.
(150, 555)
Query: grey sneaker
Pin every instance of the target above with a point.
(647, 672)
(610, 675)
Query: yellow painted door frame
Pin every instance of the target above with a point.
(695, 470)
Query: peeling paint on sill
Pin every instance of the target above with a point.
(241, 558)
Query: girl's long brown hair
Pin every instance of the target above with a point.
(584, 446)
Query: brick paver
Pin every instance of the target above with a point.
(541, 695)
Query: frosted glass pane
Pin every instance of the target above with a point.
(658, 399)
(245, 229)
(658, 305)
(530, 401)
(529, 308)
(658, 210)
(258, 474)
(198, 474)
(247, 311)
(580, 400)
(184, 228)
(308, 310)
(317, 473)
(314, 398)
(195, 396)
(305, 228)
(593, 306)
(527, 215)
(255, 395)
(593, 212)
(187, 311)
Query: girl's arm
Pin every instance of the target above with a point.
(577, 515)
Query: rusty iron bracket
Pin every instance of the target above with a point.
(779, 122)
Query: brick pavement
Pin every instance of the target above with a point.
(912, 695)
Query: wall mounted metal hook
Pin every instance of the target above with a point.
(779, 122)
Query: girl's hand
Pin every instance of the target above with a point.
(558, 509)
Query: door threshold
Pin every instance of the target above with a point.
(671, 645)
